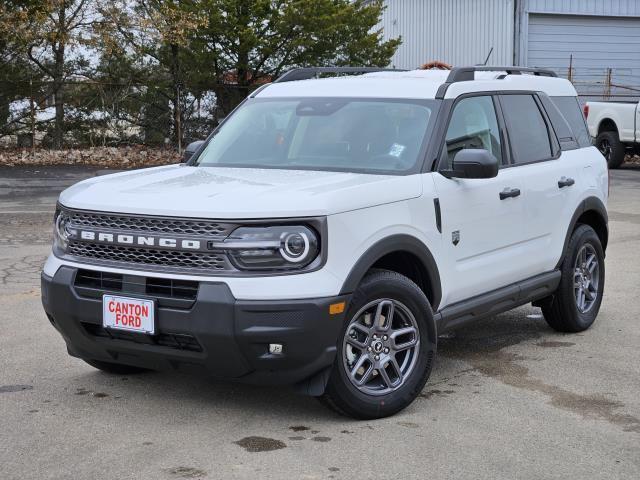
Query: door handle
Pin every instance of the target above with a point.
(565, 182)
(509, 193)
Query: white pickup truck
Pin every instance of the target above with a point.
(616, 128)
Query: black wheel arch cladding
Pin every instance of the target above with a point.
(593, 209)
(398, 244)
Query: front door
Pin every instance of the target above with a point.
(482, 227)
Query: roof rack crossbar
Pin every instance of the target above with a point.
(462, 74)
(465, 74)
(306, 73)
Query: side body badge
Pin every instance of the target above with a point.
(455, 237)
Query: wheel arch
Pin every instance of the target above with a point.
(592, 212)
(607, 125)
(403, 254)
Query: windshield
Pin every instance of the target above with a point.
(355, 135)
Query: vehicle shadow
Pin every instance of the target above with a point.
(457, 351)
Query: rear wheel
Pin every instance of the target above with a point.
(386, 349)
(575, 305)
(611, 148)
(115, 368)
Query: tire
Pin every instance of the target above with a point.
(384, 392)
(611, 148)
(115, 368)
(562, 312)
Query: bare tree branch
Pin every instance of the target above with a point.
(40, 65)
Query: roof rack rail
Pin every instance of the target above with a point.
(464, 74)
(306, 73)
(461, 74)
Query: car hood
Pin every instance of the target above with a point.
(219, 192)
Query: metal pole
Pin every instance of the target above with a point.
(178, 120)
(33, 118)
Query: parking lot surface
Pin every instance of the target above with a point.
(508, 397)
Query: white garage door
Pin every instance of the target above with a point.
(596, 44)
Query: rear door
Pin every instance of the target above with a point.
(482, 233)
(549, 179)
(582, 162)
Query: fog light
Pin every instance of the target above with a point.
(275, 348)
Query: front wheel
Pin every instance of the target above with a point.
(386, 348)
(575, 305)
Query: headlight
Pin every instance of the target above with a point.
(61, 231)
(271, 248)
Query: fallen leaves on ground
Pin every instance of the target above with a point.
(109, 157)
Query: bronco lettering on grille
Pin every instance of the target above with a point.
(137, 240)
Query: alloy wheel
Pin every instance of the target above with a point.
(380, 347)
(586, 278)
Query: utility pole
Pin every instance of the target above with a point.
(33, 118)
(178, 118)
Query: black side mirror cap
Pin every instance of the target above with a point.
(192, 148)
(473, 163)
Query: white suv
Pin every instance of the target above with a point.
(331, 228)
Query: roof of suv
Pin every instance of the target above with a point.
(416, 84)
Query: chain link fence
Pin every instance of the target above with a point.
(604, 83)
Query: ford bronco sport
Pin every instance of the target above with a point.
(331, 228)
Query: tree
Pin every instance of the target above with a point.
(184, 48)
(254, 41)
(160, 34)
(155, 63)
(52, 40)
(16, 74)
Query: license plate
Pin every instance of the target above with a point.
(130, 314)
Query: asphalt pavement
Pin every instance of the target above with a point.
(508, 397)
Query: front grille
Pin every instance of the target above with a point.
(99, 280)
(169, 287)
(174, 226)
(158, 287)
(169, 292)
(148, 257)
(166, 259)
(179, 341)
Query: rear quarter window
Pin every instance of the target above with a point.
(571, 111)
(561, 127)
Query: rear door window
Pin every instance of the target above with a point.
(528, 132)
(570, 109)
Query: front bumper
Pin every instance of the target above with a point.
(213, 332)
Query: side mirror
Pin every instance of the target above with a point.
(192, 148)
(473, 163)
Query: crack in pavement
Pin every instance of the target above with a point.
(24, 270)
